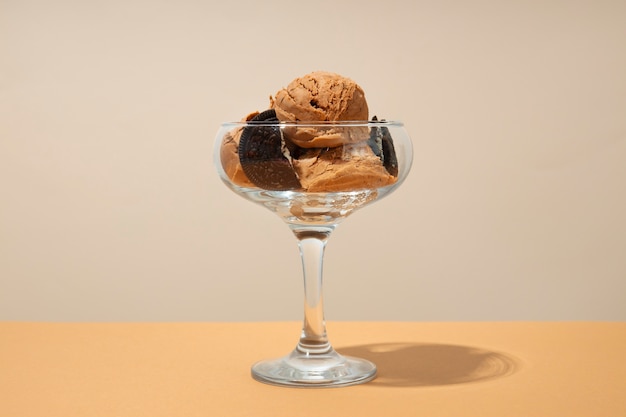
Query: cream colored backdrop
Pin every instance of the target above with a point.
(111, 208)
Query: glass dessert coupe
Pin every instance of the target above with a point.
(312, 216)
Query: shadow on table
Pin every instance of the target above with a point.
(422, 365)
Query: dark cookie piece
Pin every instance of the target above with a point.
(262, 152)
(382, 144)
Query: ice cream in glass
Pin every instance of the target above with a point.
(313, 157)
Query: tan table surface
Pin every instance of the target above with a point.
(528, 369)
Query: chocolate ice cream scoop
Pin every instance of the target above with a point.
(322, 96)
(229, 155)
(342, 168)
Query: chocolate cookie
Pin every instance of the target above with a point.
(264, 155)
(382, 145)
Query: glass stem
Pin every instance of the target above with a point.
(312, 242)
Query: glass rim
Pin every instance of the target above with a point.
(324, 123)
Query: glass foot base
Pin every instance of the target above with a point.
(320, 370)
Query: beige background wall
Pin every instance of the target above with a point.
(111, 208)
